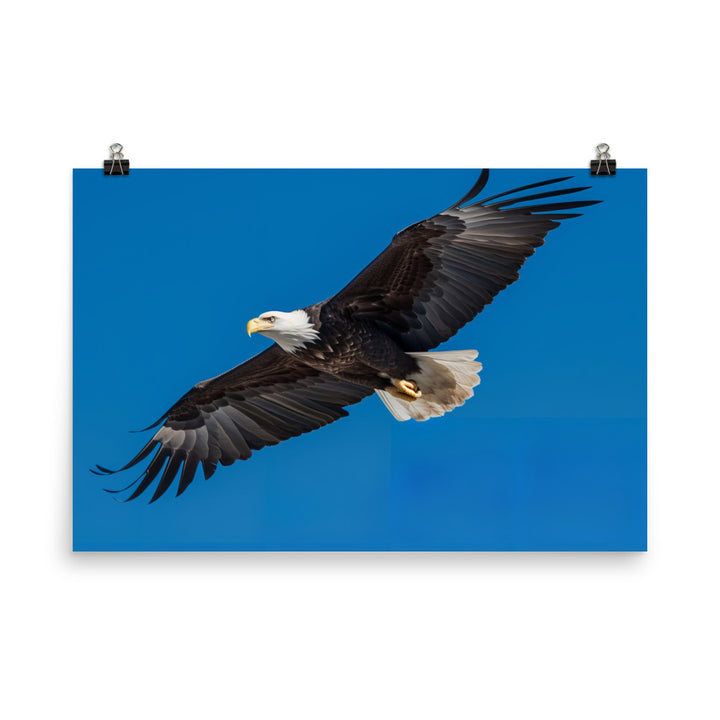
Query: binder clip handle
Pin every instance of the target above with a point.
(117, 165)
(603, 165)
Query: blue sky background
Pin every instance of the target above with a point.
(550, 454)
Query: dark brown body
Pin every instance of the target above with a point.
(354, 350)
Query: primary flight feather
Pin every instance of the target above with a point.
(372, 337)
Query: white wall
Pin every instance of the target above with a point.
(242, 84)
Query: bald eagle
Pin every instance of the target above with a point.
(373, 337)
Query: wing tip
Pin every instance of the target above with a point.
(149, 427)
(208, 468)
(480, 183)
(514, 191)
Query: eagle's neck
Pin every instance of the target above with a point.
(296, 333)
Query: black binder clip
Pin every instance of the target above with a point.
(116, 165)
(603, 165)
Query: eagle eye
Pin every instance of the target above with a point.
(271, 319)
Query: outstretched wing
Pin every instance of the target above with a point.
(268, 399)
(437, 275)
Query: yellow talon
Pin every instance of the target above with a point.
(408, 387)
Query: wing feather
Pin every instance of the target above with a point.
(151, 472)
(173, 465)
(188, 473)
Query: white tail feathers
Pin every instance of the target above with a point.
(446, 380)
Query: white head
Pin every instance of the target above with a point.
(290, 330)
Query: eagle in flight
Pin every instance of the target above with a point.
(374, 336)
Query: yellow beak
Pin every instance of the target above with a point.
(257, 325)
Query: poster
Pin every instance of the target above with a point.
(549, 453)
